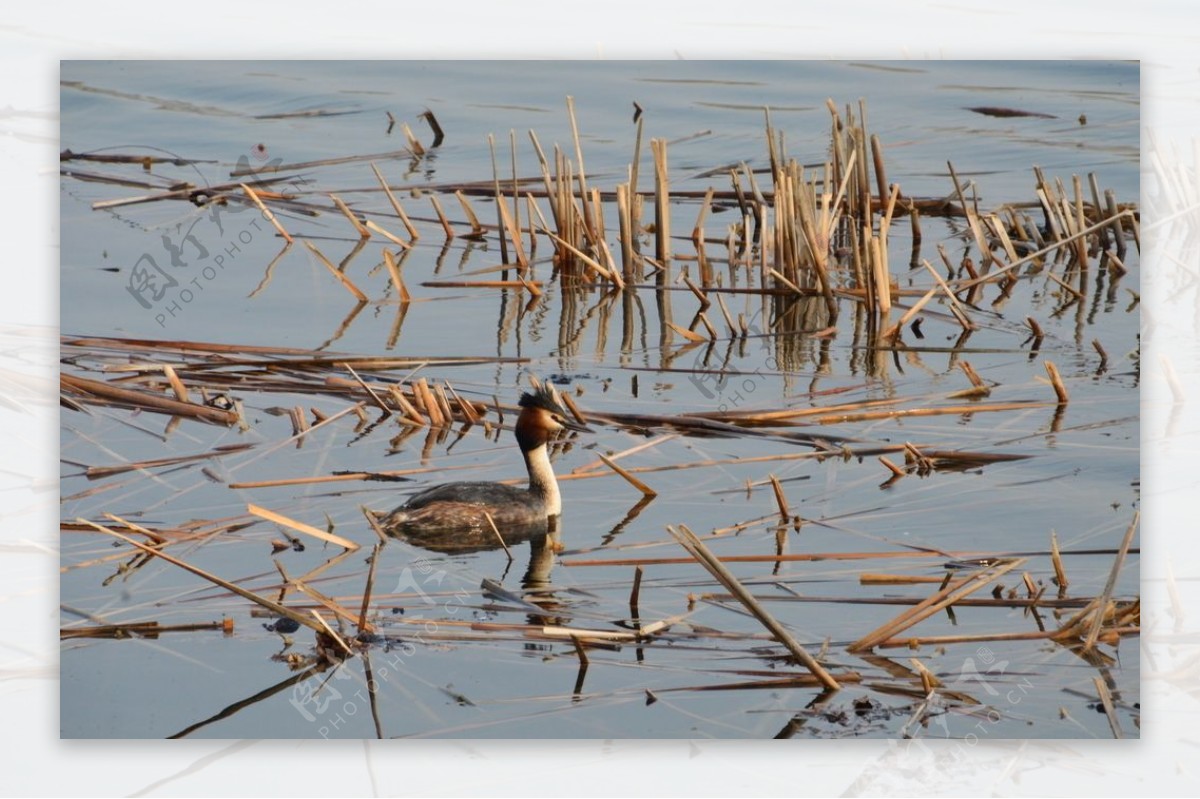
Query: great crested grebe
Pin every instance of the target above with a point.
(454, 515)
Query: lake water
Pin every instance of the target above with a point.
(456, 661)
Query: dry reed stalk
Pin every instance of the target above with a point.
(780, 499)
(301, 527)
(337, 273)
(951, 410)
(443, 403)
(373, 521)
(144, 400)
(441, 215)
(692, 543)
(328, 478)
(595, 265)
(1074, 291)
(413, 235)
(325, 628)
(933, 604)
(429, 404)
(985, 253)
(893, 468)
(943, 640)
(593, 465)
(1098, 615)
(1107, 703)
(399, 242)
(411, 414)
(477, 230)
(378, 400)
(633, 481)
(1060, 573)
(635, 592)
(625, 231)
(177, 386)
(467, 409)
(662, 202)
(321, 599)
(871, 578)
(363, 232)
(893, 333)
(698, 228)
(96, 472)
(481, 284)
(266, 212)
(274, 607)
(141, 629)
(397, 278)
(570, 405)
(695, 338)
(997, 274)
(961, 312)
(1103, 355)
(413, 144)
(492, 523)
(513, 231)
(1060, 389)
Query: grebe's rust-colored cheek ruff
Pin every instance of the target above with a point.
(454, 516)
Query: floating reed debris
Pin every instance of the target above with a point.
(780, 499)
(935, 603)
(1060, 390)
(633, 481)
(691, 542)
(98, 392)
(301, 527)
(266, 212)
(274, 607)
(141, 629)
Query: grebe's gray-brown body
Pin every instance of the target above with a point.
(454, 516)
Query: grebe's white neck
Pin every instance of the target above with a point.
(542, 483)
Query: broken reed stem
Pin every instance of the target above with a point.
(784, 513)
(145, 400)
(633, 481)
(337, 273)
(397, 277)
(266, 212)
(399, 209)
(301, 527)
(363, 233)
(378, 400)
(935, 603)
(1060, 572)
(274, 607)
(635, 592)
(701, 553)
(662, 202)
(177, 386)
(1107, 703)
(500, 538)
(1060, 390)
(1106, 596)
(893, 468)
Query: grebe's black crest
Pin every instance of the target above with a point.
(545, 397)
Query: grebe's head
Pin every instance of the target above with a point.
(542, 415)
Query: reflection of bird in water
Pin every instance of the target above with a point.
(454, 517)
